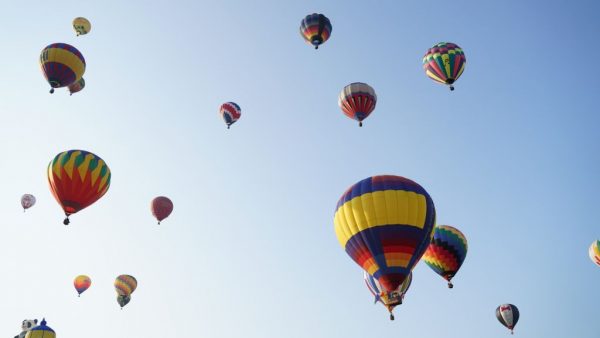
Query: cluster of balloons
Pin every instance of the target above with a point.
(124, 285)
(62, 64)
(386, 224)
(443, 63)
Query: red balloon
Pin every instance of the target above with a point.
(161, 207)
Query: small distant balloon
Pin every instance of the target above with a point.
(27, 201)
(161, 208)
(82, 26)
(315, 29)
(357, 101)
(444, 63)
(77, 86)
(125, 285)
(508, 315)
(231, 112)
(82, 283)
(123, 300)
(595, 252)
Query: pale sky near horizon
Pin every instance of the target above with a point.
(510, 158)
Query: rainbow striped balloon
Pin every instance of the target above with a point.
(595, 252)
(446, 252)
(444, 63)
(385, 224)
(62, 65)
(315, 29)
(125, 285)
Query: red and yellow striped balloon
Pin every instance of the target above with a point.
(595, 252)
(82, 283)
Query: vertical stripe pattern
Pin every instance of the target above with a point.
(315, 29)
(444, 62)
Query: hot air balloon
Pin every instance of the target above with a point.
(62, 65)
(446, 252)
(125, 285)
(82, 26)
(444, 63)
(77, 179)
(385, 224)
(123, 300)
(357, 100)
(315, 29)
(389, 299)
(161, 208)
(595, 252)
(41, 331)
(82, 283)
(230, 112)
(27, 201)
(508, 315)
(77, 86)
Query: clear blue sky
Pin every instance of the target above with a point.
(510, 158)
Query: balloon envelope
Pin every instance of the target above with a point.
(27, 201)
(77, 86)
(123, 300)
(357, 101)
(62, 65)
(82, 283)
(315, 29)
(81, 26)
(446, 252)
(444, 63)
(595, 252)
(231, 112)
(77, 179)
(41, 331)
(161, 207)
(125, 285)
(508, 315)
(385, 224)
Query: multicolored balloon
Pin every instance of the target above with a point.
(389, 299)
(82, 283)
(82, 26)
(230, 112)
(125, 285)
(357, 100)
(77, 179)
(161, 208)
(41, 331)
(315, 29)
(446, 252)
(123, 300)
(508, 315)
(595, 252)
(27, 201)
(62, 65)
(385, 224)
(77, 86)
(444, 63)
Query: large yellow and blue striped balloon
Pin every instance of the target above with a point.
(385, 224)
(62, 65)
(595, 252)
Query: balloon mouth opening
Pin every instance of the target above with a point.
(54, 84)
(450, 81)
(317, 41)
